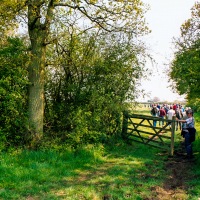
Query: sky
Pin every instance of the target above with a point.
(164, 18)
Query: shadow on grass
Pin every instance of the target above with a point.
(123, 172)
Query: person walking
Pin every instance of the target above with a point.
(162, 115)
(179, 115)
(170, 114)
(154, 113)
(174, 106)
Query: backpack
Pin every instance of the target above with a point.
(192, 132)
(153, 111)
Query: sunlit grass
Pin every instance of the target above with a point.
(125, 171)
(114, 171)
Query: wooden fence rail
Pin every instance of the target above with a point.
(139, 128)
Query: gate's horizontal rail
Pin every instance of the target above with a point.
(149, 117)
(150, 126)
(138, 131)
(149, 133)
(166, 147)
(145, 140)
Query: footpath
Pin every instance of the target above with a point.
(179, 172)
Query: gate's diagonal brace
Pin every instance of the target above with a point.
(157, 134)
(137, 124)
(135, 129)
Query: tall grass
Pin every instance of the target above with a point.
(38, 173)
(114, 171)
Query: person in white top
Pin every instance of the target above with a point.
(170, 114)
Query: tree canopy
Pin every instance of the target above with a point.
(84, 60)
(185, 65)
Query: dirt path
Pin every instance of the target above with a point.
(174, 186)
(178, 170)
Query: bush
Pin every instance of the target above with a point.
(13, 92)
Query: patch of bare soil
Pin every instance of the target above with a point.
(174, 187)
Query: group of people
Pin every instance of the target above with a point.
(184, 121)
(167, 111)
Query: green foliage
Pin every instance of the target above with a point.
(194, 184)
(87, 87)
(194, 104)
(90, 70)
(13, 84)
(184, 71)
(9, 16)
(185, 66)
(56, 23)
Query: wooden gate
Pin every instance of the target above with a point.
(139, 128)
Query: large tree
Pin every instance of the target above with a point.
(45, 18)
(185, 65)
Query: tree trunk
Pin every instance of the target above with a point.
(38, 33)
(36, 87)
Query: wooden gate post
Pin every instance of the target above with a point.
(125, 124)
(172, 135)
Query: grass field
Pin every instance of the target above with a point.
(115, 171)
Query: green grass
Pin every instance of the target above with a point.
(116, 171)
(195, 182)
(37, 173)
